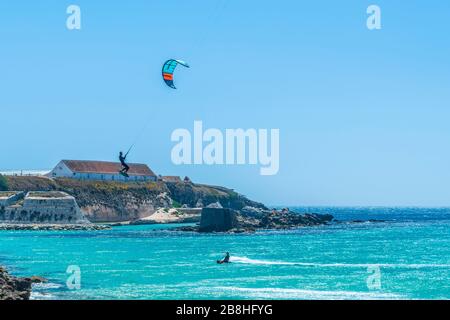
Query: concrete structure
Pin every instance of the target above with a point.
(217, 220)
(7, 198)
(46, 207)
(101, 170)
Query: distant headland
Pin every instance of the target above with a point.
(84, 194)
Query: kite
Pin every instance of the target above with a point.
(168, 70)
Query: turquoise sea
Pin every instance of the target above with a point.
(410, 249)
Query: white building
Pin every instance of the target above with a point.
(101, 170)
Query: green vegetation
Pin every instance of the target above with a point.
(176, 204)
(3, 183)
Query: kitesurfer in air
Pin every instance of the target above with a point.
(125, 167)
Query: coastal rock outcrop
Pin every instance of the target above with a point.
(200, 195)
(112, 201)
(251, 219)
(13, 288)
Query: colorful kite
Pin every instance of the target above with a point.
(168, 70)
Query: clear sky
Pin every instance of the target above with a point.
(363, 115)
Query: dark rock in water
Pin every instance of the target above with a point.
(253, 212)
(217, 220)
(286, 220)
(13, 288)
(251, 219)
(187, 228)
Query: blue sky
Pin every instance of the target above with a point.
(363, 115)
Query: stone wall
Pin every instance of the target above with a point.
(10, 199)
(44, 207)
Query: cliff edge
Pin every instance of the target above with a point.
(109, 201)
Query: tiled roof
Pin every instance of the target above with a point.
(81, 166)
(171, 178)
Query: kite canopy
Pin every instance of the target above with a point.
(168, 70)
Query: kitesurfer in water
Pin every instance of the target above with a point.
(226, 259)
(122, 159)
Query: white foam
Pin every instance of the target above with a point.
(245, 260)
(38, 291)
(46, 286)
(282, 293)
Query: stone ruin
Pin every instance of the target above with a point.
(40, 207)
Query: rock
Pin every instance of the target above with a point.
(251, 219)
(36, 279)
(253, 212)
(13, 288)
(216, 205)
(286, 219)
(199, 204)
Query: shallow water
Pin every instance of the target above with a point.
(412, 252)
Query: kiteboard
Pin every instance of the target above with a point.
(124, 174)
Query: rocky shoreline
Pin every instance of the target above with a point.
(53, 227)
(250, 219)
(14, 288)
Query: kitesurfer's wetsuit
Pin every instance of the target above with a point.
(227, 258)
(124, 165)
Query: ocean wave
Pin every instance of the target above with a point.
(46, 286)
(245, 260)
(284, 293)
(40, 291)
(41, 296)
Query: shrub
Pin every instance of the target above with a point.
(3, 183)
(176, 204)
